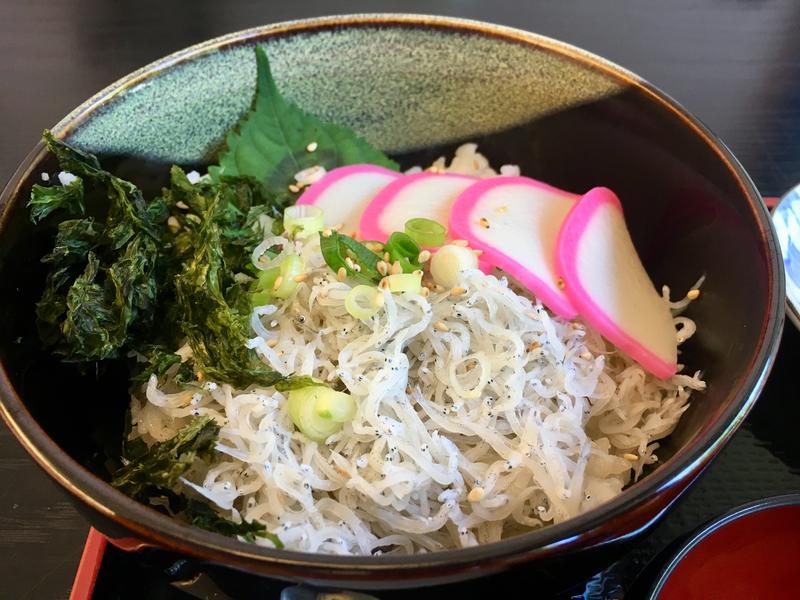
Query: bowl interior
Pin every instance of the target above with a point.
(418, 90)
(749, 553)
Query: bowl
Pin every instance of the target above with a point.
(418, 86)
(750, 553)
(786, 218)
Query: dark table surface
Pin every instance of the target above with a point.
(734, 63)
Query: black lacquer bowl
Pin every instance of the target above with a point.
(417, 87)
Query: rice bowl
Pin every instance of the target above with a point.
(681, 452)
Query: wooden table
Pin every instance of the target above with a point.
(734, 64)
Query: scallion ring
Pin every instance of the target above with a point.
(303, 220)
(290, 267)
(404, 282)
(361, 302)
(404, 250)
(261, 298)
(319, 412)
(266, 279)
(426, 232)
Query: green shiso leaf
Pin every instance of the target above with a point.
(269, 143)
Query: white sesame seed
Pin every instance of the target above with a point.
(476, 494)
(310, 175)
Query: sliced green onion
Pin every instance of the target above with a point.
(291, 267)
(335, 406)
(261, 288)
(361, 302)
(319, 412)
(266, 279)
(403, 249)
(404, 282)
(303, 220)
(426, 232)
(260, 299)
(264, 289)
(337, 248)
(401, 245)
(448, 262)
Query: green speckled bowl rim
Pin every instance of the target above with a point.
(623, 517)
(80, 114)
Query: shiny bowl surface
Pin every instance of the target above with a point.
(417, 86)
